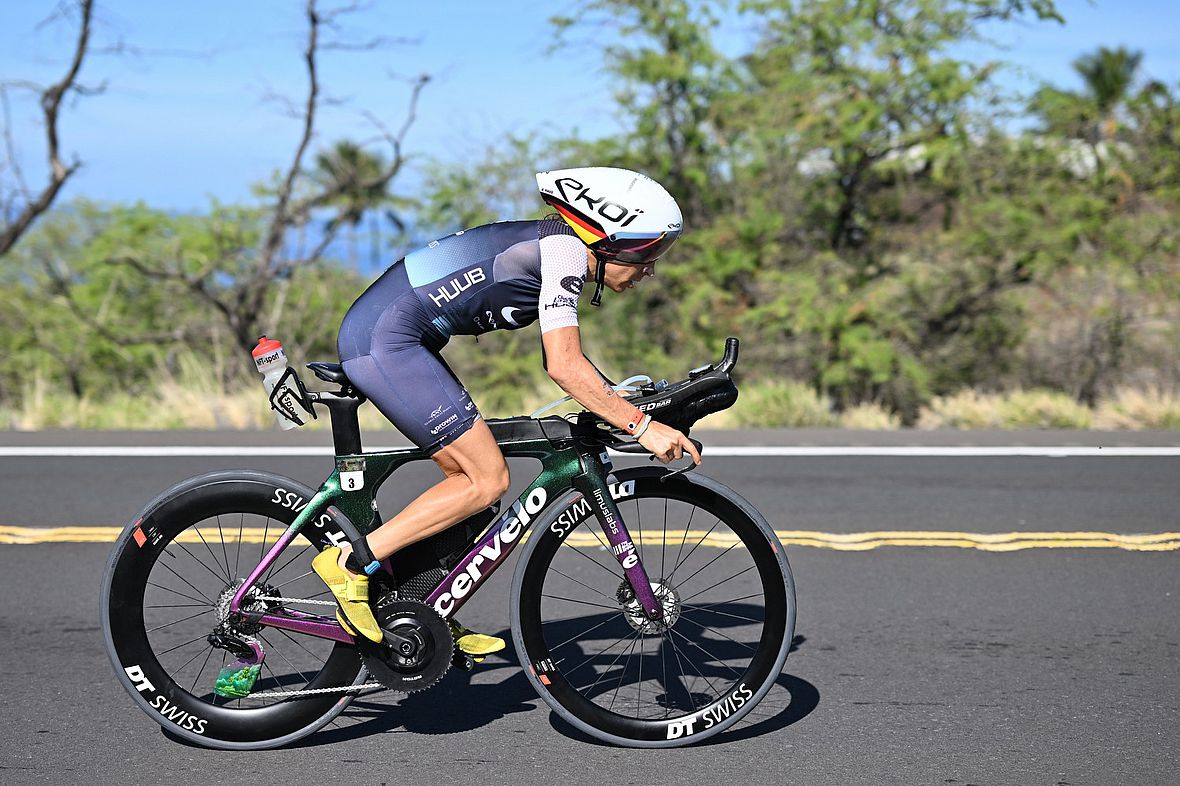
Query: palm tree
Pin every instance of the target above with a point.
(1108, 74)
(356, 178)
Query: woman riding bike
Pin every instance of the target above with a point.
(612, 225)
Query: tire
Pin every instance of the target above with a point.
(162, 583)
(723, 654)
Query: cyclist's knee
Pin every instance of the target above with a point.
(493, 485)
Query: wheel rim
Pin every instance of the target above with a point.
(693, 672)
(162, 599)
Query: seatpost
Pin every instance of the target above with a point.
(346, 428)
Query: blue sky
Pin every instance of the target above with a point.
(189, 119)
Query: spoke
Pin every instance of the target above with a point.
(595, 655)
(587, 586)
(722, 613)
(178, 605)
(664, 671)
(708, 681)
(224, 700)
(719, 633)
(178, 646)
(587, 556)
(583, 633)
(265, 532)
(238, 555)
(606, 670)
(664, 539)
(299, 644)
(623, 673)
(202, 671)
(639, 684)
(224, 553)
(684, 582)
(273, 572)
(718, 584)
(282, 655)
(200, 562)
(692, 702)
(176, 622)
(683, 538)
(676, 567)
(211, 554)
(187, 662)
(205, 602)
(711, 655)
(168, 568)
(723, 602)
(291, 581)
(274, 678)
(583, 602)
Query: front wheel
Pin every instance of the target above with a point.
(729, 612)
(168, 585)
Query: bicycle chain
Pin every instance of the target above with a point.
(284, 694)
(298, 600)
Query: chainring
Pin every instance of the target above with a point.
(418, 653)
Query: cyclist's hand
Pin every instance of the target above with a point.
(667, 444)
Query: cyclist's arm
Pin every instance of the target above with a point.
(576, 375)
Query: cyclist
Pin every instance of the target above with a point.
(611, 224)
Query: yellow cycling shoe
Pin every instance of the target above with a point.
(352, 593)
(477, 645)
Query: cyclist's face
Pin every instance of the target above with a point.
(620, 276)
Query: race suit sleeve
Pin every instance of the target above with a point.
(563, 273)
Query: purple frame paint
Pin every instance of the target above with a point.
(515, 522)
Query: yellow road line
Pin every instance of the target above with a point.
(847, 541)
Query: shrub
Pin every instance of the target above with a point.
(780, 404)
(1139, 409)
(870, 416)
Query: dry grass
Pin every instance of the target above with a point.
(1133, 410)
(188, 400)
(1019, 409)
(870, 416)
(784, 404)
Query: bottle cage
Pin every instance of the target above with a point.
(284, 396)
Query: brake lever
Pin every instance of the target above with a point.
(685, 469)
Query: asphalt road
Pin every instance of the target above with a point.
(912, 665)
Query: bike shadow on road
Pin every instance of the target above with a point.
(465, 701)
(790, 700)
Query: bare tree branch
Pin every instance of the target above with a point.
(60, 172)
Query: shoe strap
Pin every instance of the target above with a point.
(356, 589)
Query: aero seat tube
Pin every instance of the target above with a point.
(591, 482)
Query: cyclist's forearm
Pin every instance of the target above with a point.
(583, 382)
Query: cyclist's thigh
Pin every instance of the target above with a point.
(412, 386)
(477, 455)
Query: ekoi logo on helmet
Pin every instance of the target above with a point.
(623, 216)
(573, 191)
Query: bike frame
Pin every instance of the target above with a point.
(567, 462)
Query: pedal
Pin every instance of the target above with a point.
(461, 660)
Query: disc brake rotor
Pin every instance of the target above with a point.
(669, 600)
(417, 648)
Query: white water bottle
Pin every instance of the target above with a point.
(272, 362)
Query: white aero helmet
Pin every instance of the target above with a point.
(621, 215)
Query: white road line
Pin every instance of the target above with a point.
(191, 451)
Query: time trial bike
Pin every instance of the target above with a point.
(649, 607)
